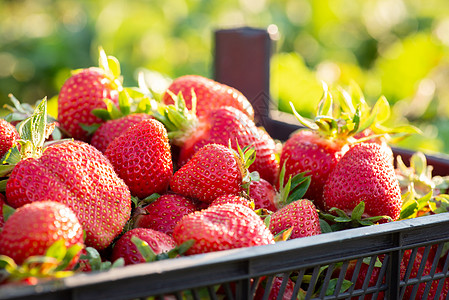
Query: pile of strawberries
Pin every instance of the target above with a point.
(134, 180)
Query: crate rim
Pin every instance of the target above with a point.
(251, 258)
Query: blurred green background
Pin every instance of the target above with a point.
(389, 47)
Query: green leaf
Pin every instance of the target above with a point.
(71, 252)
(7, 263)
(342, 219)
(358, 211)
(7, 211)
(144, 249)
(5, 170)
(105, 265)
(307, 123)
(151, 198)
(377, 264)
(339, 212)
(103, 61)
(332, 285)
(57, 250)
(266, 221)
(284, 235)
(325, 227)
(325, 105)
(382, 107)
(418, 162)
(120, 262)
(346, 101)
(90, 129)
(124, 102)
(300, 185)
(114, 66)
(114, 111)
(185, 246)
(93, 258)
(32, 131)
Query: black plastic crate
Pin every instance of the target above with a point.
(234, 273)
(313, 263)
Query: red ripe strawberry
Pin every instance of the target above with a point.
(412, 267)
(301, 215)
(209, 95)
(213, 171)
(309, 151)
(228, 124)
(364, 173)
(69, 172)
(222, 227)
(8, 136)
(234, 199)
(361, 276)
(163, 213)
(111, 129)
(81, 93)
(124, 248)
(141, 157)
(264, 194)
(34, 227)
(275, 289)
(78, 175)
(221, 126)
(2, 202)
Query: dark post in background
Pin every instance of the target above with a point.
(242, 60)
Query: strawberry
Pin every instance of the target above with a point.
(2, 203)
(111, 129)
(86, 90)
(8, 136)
(209, 95)
(274, 288)
(362, 269)
(301, 215)
(263, 194)
(318, 147)
(364, 174)
(213, 171)
(222, 125)
(73, 173)
(141, 157)
(34, 227)
(124, 248)
(222, 227)
(163, 213)
(331, 133)
(309, 151)
(413, 265)
(232, 199)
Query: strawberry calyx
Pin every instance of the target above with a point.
(341, 220)
(246, 157)
(139, 209)
(131, 100)
(351, 115)
(149, 255)
(21, 111)
(33, 132)
(7, 211)
(92, 259)
(52, 265)
(422, 193)
(294, 189)
(331, 122)
(373, 119)
(181, 123)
